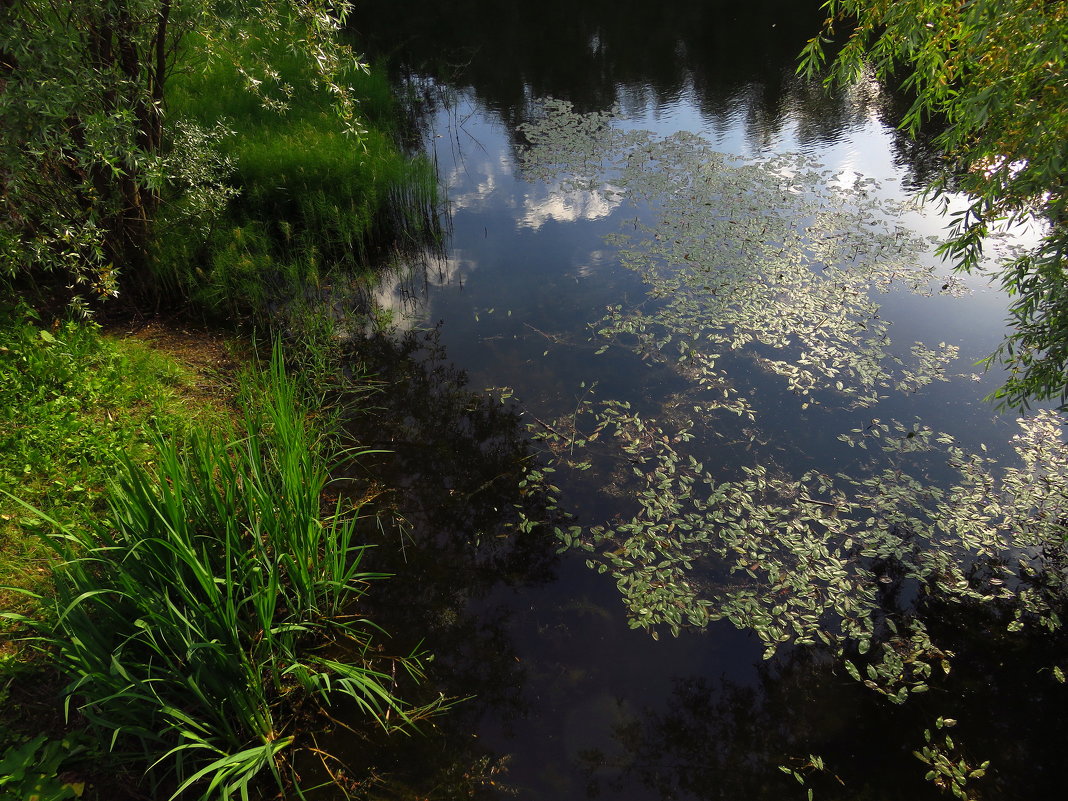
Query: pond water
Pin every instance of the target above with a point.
(688, 339)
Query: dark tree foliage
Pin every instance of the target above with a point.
(88, 151)
(997, 72)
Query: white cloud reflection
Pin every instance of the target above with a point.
(404, 296)
(596, 260)
(474, 185)
(567, 205)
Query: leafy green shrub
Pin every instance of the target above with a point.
(90, 155)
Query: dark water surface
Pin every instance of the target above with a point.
(569, 702)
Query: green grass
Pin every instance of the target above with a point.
(312, 199)
(209, 623)
(71, 402)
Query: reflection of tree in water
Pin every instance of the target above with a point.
(461, 456)
(735, 59)
(455, 459)
(454, 456)
(721, 740)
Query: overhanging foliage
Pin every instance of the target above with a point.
(997, 72)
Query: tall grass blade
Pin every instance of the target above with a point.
(190, 621)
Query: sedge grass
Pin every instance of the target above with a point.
(211, 618)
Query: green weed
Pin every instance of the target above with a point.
(34, 769)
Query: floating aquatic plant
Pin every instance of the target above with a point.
(775, 256)
(841, 560)
(780, 262)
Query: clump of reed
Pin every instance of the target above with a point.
(210, 625)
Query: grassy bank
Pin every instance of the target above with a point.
(183, 591)
(309, 200)
(71, 401)
(74, 402)
(211, 619)
(181, 600)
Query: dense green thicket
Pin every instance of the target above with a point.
(996, 72)
(109, 185)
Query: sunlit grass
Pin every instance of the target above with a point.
(311, 198)
(72, 403)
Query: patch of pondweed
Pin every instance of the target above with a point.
(776, 258)
(777, 263)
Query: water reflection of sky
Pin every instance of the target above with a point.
(525, 273)
(487, 198)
